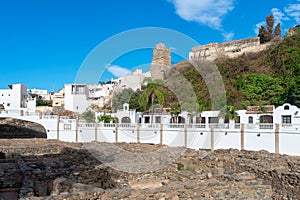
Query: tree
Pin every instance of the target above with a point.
(228, 112)
(270, 24)
(277, 31)
(262, 34)
(268, 33)
(134, 100)
(121, 97)
(89, 116)
(153, 92)
(106, 118)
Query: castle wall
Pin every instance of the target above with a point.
(231, 49)
(161, 61)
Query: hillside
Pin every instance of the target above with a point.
(268, 77)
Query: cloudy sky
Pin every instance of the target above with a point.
(44, 43)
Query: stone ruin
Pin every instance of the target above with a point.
(34, 169)
(231, 49)
(161, 62)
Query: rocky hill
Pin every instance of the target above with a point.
(266, 77)
(49, 169)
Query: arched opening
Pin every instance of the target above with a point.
(250, 120)
(286, 107)
(125, 120)
(266, 119)
(181, 120)
(116, 120)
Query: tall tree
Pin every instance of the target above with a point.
(263, 35)
(267, 33)
(270, 23)
(277, 31)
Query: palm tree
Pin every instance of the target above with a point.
(228, 112)
(153, 91)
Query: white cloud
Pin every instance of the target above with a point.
(207, 12)
(293, 10)
(228, 36)
(117, 70)
(278, 16)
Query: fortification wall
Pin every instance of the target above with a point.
(161, 61)
(231, 49)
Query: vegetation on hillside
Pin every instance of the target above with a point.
(263, 78)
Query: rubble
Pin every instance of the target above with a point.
(49, 169)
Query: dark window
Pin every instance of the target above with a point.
(158, 120)
(286, 108)
(213, 120)
(250, 120)
(286, 119)
(125, 120)
(147, 120)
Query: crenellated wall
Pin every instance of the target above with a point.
(231, 49)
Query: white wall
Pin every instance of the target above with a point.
(75, 102)
(14, 98)
(291, 110)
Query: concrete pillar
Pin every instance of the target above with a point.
(212, 138)
(76, 130)
(185, 135)
(277, 138)
(242, 136)
(161, 134)
(57, 127)
(116, 132)
(138, 133)
(96, 132)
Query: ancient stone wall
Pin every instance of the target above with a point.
(161, 61)
(231, 49)
(14, 128)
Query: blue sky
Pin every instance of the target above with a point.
(44, 43)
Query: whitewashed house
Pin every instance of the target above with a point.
(14, 98)
(286, 115)
(126, 115)
(76, 97)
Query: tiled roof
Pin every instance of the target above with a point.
(260, 109)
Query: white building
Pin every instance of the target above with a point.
(286, 115)
(126, 115)
(76, 97)
(38, 92)
(134, 80)
(14, 98)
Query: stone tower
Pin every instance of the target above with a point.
(161, 62)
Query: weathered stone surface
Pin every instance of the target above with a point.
(68, 171)
(14, 128)
(231, 49)
(161, 62)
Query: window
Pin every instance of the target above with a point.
(67, 126)
(286, 119)
(80, 90)
(286, 108)
(8, 104)
(250, 120)
(157, 119)
(213, 120)
(147, 120)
